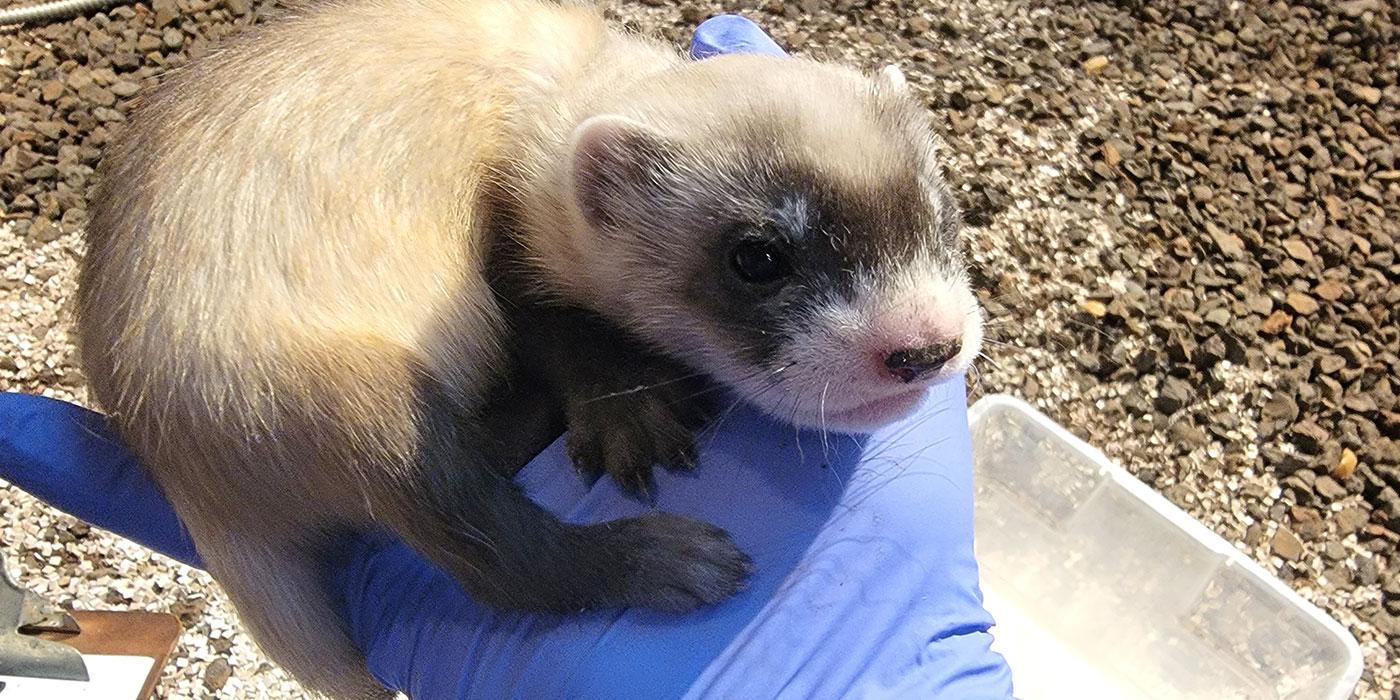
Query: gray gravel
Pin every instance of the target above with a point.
(1182, 218)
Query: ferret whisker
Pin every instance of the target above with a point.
(785, 367)
(715, 425)
(998, 298)
(826, 445)
(797, 436)
(644, 387)
(983, 357)
(976, 380)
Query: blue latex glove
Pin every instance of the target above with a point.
(864, 584)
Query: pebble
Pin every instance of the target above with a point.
(1286, 545)
(216, 674)
(1095, 64)
(1368, 572)
(1330, 290)
(1357, 8)
(166, 11)
(125, 88)
(1328, 488)
(1367, 94)
(1189, 435)
(1301, 303)
(1227, 243)
(51, 90)
(44, 231)
(1335, 552)
(1309, 436)
(1298, 250)
(1174, 394)
(1346, 464)
(1281, 408)
(1351, 519)
(1275, 323)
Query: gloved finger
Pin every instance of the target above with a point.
(68, 457)
(731, 34)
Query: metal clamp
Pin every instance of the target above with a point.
(23, 614)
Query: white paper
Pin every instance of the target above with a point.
(109, 678)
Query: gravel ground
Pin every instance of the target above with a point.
(1183, 220)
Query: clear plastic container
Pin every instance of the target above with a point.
(1101, 588)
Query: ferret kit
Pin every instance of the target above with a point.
(318, 254)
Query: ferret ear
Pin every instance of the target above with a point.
(616, 166)
(892, 77)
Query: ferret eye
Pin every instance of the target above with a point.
(759, 262)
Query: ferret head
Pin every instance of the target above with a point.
(780, 225)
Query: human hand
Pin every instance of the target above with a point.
(864, 583)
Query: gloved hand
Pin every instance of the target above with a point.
(864, 583)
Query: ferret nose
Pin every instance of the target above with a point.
(912, 365)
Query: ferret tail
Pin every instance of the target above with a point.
(280, 591)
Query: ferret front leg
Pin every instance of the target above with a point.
(624, 424)
(508, 552)
(626, 407)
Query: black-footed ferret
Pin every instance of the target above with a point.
(287, 305)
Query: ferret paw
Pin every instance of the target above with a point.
(676, 564)
(625, 433)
